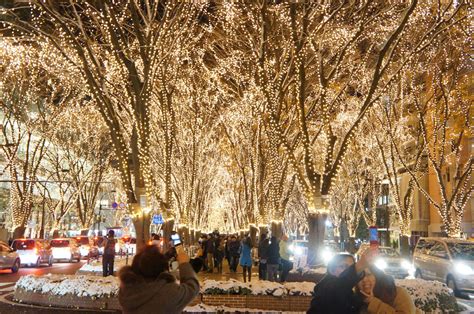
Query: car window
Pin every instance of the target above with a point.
(59, 243)
(84, 240)
(424, 246)
(463, 250)
(438, 250)
(23, 244)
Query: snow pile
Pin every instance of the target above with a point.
(82, 286)
(430, 295)
(96, 266)
(203, 308)
(276, 289)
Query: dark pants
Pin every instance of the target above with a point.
(107, 265)
(262, 271)
(234, 261)
(286, 266)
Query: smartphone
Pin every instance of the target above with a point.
(373, 237)
(176, 239)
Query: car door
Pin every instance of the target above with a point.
(422, 259)
(440, 261)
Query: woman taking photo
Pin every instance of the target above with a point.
(377, 293)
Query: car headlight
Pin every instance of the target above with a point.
(327, 256)
(380, 264)
(407, 265)
(463, 269)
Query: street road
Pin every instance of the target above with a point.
(57, 268)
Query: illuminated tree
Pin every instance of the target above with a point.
(120, 50)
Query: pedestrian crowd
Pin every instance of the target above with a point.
(272, 255)
(147, 286)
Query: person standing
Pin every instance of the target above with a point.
(263, 256)
(234, 254)
(273, 260)
(219, 253)
(246, 257)
(286, 264)
(109, 254)
(210, 249)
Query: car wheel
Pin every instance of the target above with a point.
(38, 262)
(418, 274)
(16, 266)
(451, 283)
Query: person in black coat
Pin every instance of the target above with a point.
(263, 256)
(273, 260)
(333, 294)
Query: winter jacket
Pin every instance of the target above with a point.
(284, 250)
(402, 304)
(273, 253)
(245, 255)
(234, 248)
(211, 246)
(263, 249)
(162, 295)
(334, 294)
(109, 246)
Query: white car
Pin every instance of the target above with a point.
(389, 261)
(65, 249)
(33, 252)
(9, 259)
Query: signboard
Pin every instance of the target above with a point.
(158, 219)
(373, 237)
(114, 205)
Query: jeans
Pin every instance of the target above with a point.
(107, 265)
(272, 271)
(262, 270)
(286, 266)
(234, 261)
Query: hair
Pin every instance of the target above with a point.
(150, 262)
(336, 260)
(263, 236)
(248, 241)
(385, 288)
(111, 233)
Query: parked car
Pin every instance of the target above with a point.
(9, 259)
(128, 245)
(33, 252)
(65, 249)
(446, 260)
(87, 247)
(389, 260)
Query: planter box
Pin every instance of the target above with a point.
(66, 301)
(261, 302)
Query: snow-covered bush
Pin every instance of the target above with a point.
(430, 295)
(82, 286)
(276, 289)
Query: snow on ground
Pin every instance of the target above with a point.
(307, 270)
(96, 265)
(203, 308)
(80, 285)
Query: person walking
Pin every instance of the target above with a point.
(147, 286)
(109, 254)
(263, 256)
(246, 257)
(286, 264)
(234, 253)
(273, 260)
(219, 253)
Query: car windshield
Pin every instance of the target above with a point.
(388, 252)
(462, 250)
(23, 244)
(59, 243)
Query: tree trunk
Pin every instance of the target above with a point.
(142, 229)
(167, 231)
(351, 246)
(197, 235)
(19, 232)
(192, 236)
(404, 246)
(277, 229)
(84, 232)
(55, 234)
(253, 234)
(317, 227)
(183, 232)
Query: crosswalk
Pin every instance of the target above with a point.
(6, 287)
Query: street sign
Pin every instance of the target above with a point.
(158, 219)
(114, 205)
